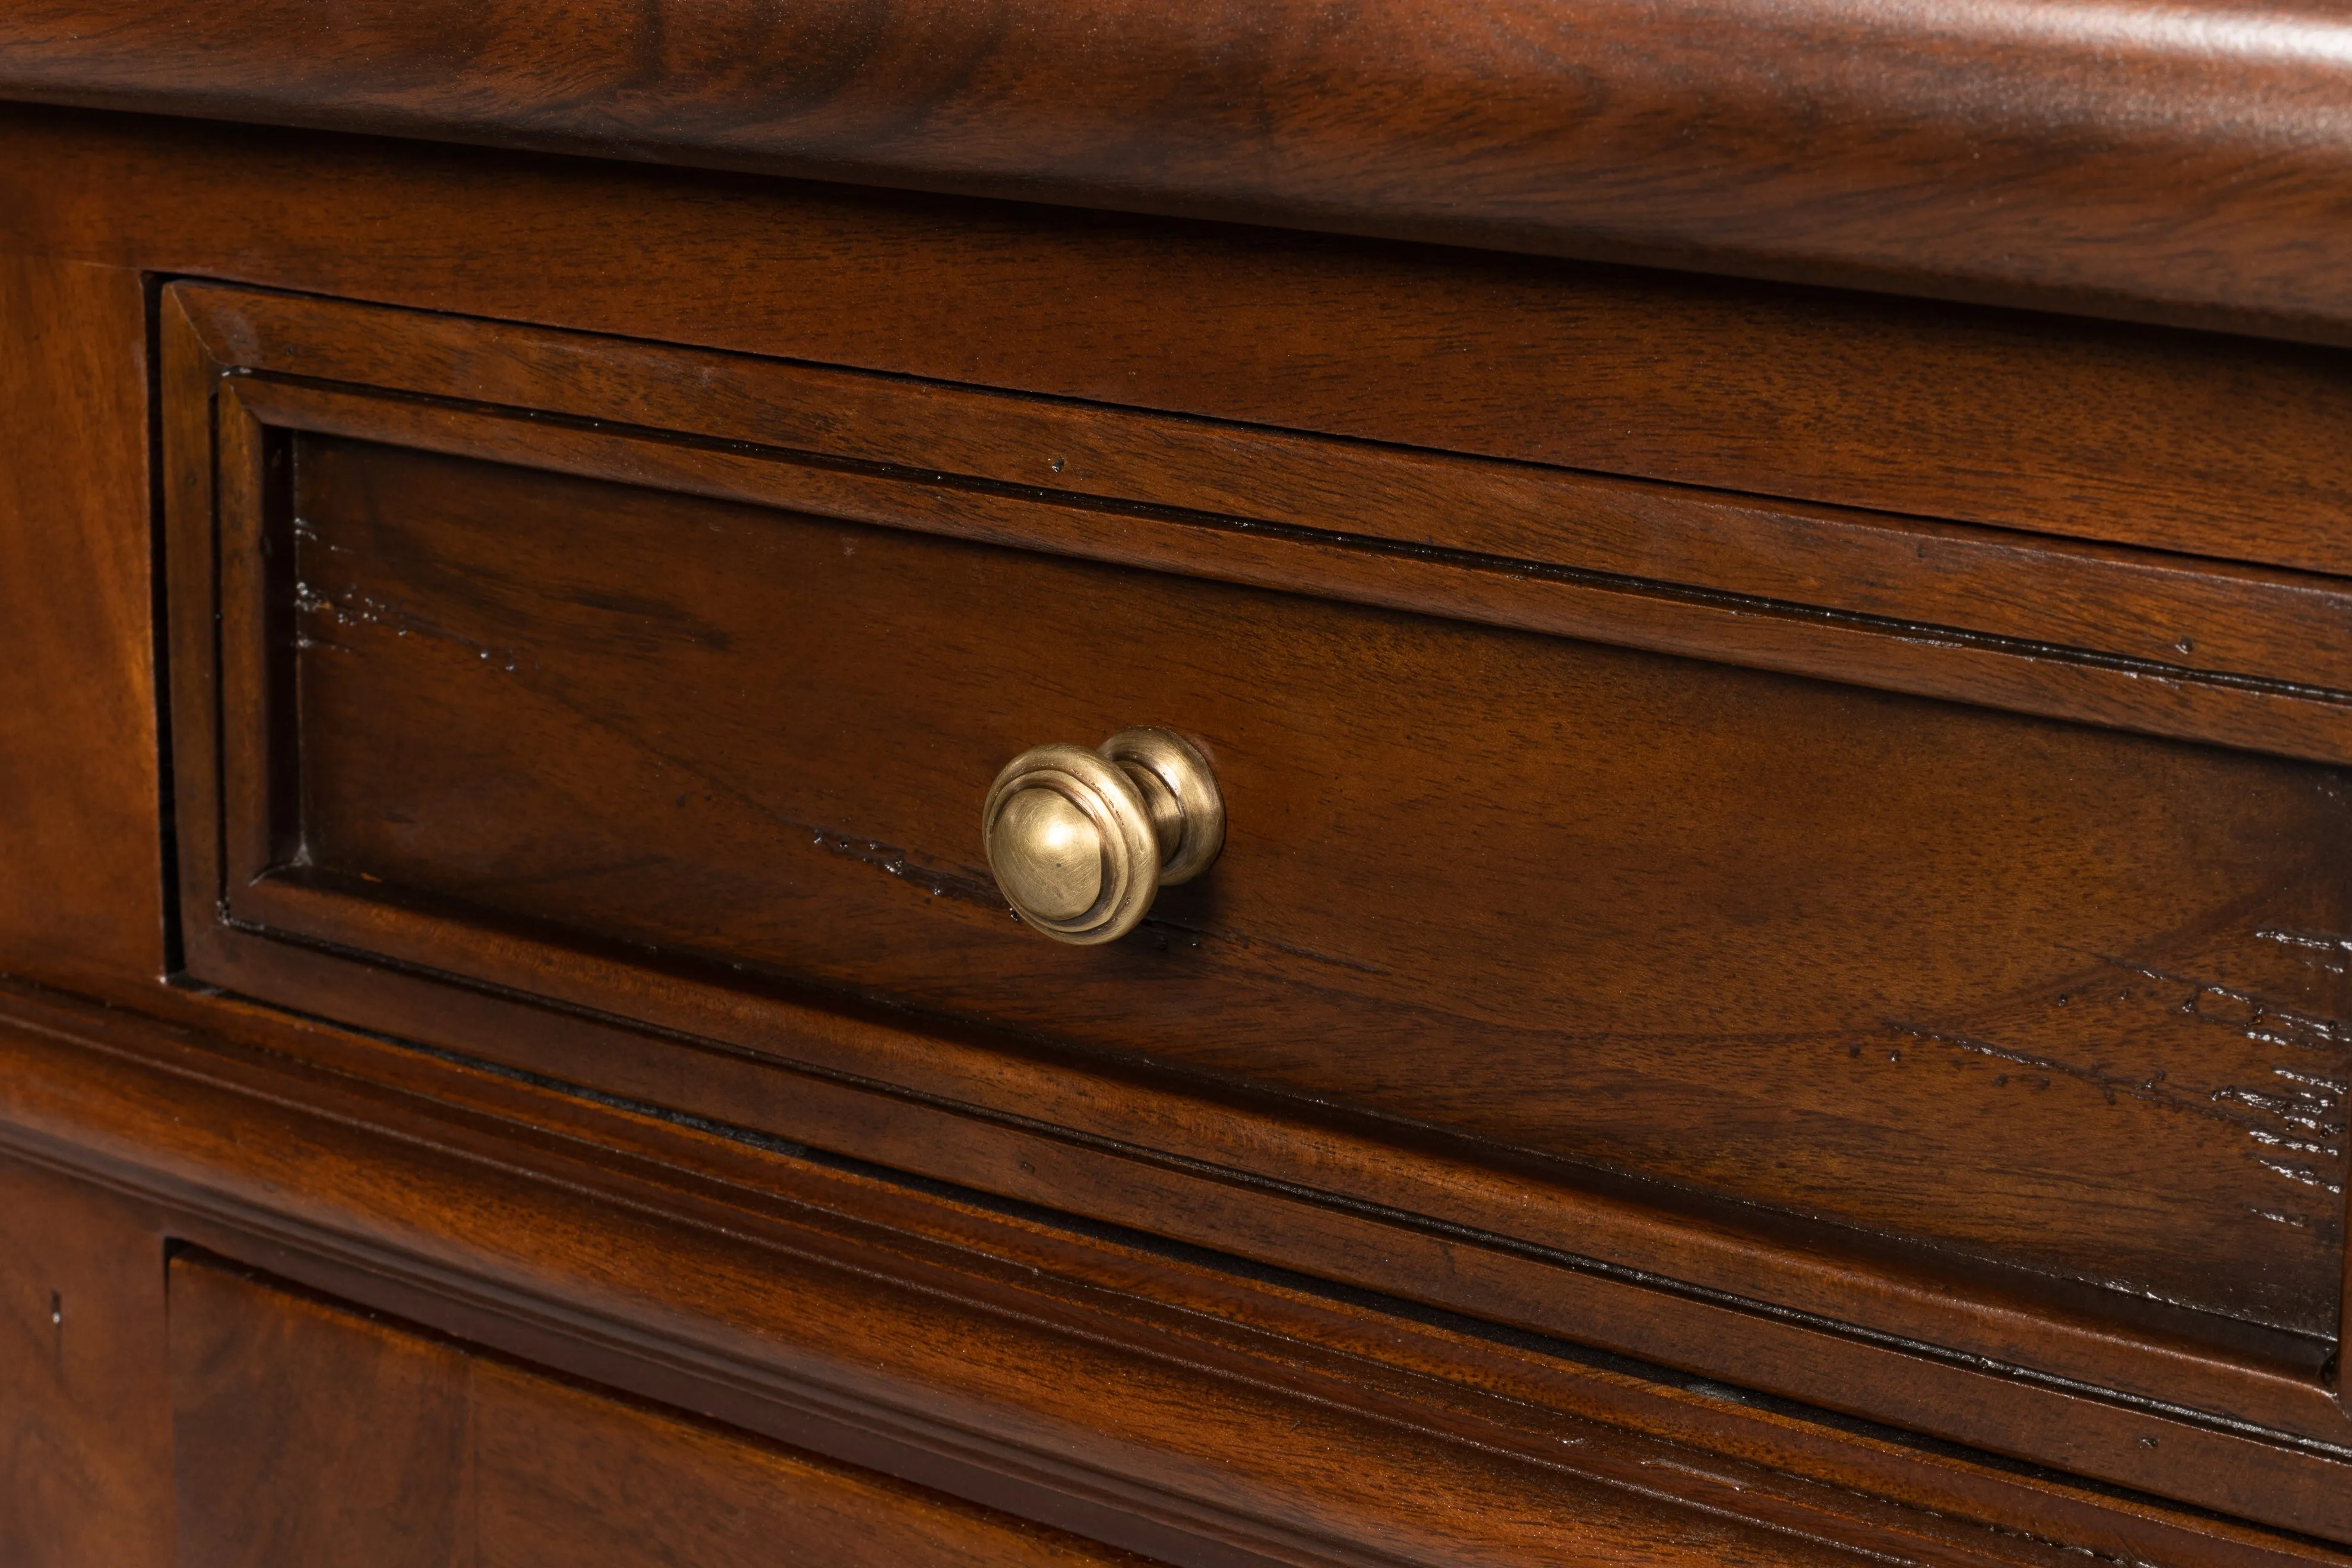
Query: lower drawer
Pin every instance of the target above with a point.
(1584, 931)
(307, 1434)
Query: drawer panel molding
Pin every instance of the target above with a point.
(1880, 975)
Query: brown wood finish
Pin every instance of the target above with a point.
(1983, 1395)
(2261, 712)
(2215, 445)
(824, 703)
(2143, 606)
(80, 898)
(2134, 639)
(1006, 1357)
(2175, 162)
(1113, 1385)
(85, 1445)
(425, 607)
(430, 1454)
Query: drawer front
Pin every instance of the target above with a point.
(307, 1433)
(1971, 983)
(1917, 968)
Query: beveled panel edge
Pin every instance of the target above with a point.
(2168, 440)
(2007, 673)
(2191, 617)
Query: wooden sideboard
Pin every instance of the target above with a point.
(1770, 612)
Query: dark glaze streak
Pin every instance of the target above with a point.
(2109, 1084)
(569, 874)
(963, 884)
(1172, 933)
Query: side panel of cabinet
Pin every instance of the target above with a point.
(80, 885)
(85, 1438)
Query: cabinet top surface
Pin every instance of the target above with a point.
(2179, 163)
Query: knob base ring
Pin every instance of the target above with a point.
(1178, 765)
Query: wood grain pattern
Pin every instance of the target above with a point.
(2217, 447)
(80, 875)
(2268, 1382)
(2224, 446)
(2106, 598)
(904, 1327)
(302, 1437)
(505, 678)
(2170, 162)
(428, 1454)
(2175, 620)
(1774, 1312)
(85, 1444)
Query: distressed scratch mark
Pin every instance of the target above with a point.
(2308, 1176)
(2295, 1144)
(658, 613)
(2312, 1113)
(1694, 1470)
(356, 609)
(972, 886)
(2314, 1104)
(2295, 1121)
(309, 535)
(2265, 1022)
(2323, 952)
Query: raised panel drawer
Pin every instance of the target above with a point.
(1835, 952)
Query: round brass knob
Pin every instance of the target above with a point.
(1081, 841)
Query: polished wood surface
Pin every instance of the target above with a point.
(489, 684)
(2136, 638)
(85, 1442)
(430, 1454)
(2032, 606)
(761, 742)
(2219, 447)
(2170, 162)
(1150, 1397)
(81, 897)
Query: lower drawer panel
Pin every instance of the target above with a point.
(308, 1433)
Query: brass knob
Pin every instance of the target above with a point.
(1081, 841)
